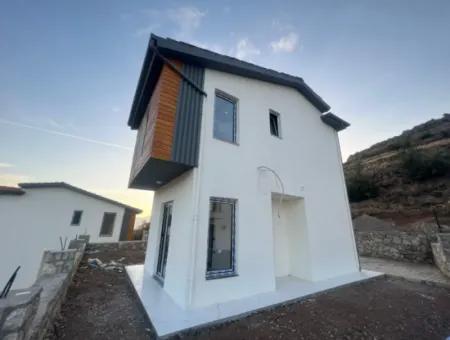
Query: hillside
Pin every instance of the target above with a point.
(403, 178)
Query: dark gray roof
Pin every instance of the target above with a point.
(4, 190)
(334, 121)
(170, 48)
(65, 185)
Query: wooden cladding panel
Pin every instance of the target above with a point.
(156, 133)
(165, 122)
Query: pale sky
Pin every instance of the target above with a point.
(68, 71)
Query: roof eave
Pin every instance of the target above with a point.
(65, 185)
(334, 121)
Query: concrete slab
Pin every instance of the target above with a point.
(168, 318)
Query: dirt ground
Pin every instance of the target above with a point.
(101, 305)
(377, 309)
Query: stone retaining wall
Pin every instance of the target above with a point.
(441, 253)
(17, 311)
(27, 313)
(396, 245)
(112, 246)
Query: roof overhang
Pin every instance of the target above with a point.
(4, 190)
(334, 121)
(64, 185)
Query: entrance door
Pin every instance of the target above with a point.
(164, 241)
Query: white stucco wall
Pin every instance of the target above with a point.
(34, 221)
(308, 161)
(180, 191)
(307, 158)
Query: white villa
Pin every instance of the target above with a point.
(250, 205)
(45, 216)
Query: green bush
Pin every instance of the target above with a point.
(360, 186)
(422, 166)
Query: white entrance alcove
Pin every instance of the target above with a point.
(290, 235)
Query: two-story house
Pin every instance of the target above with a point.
(250, 197)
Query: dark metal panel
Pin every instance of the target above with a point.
(188, 118)
(156, 173)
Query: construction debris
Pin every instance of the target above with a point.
(112, 265)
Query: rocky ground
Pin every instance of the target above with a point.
(101, 305)
(401, 199)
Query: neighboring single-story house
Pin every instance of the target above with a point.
(38, 216)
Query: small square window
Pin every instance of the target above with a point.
(274, 119)
(76, 217)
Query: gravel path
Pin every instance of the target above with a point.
(412, 271)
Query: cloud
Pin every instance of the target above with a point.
(188, 19)
(287, 43)
(9, 179)
(53, 123)
(245, 49)
(64, 134)
(6, 165)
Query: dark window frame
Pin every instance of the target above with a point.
(278, 123)
(74, 223)
(144, 132)
(228, 97)
(160, 279)
(101, 234)
(223, 273)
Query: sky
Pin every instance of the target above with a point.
(68, 72)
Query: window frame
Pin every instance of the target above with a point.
(144, 133)
(223, 273)
(278, 116)
(101, 225)
(228, 97)
(79, 220)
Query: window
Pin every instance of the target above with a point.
(225, 117)
(144, 132)
(76, 217)
(274, 120)
(107, 224)
(221, 253)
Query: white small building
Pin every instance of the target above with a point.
(39, 216)
(250, 206)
